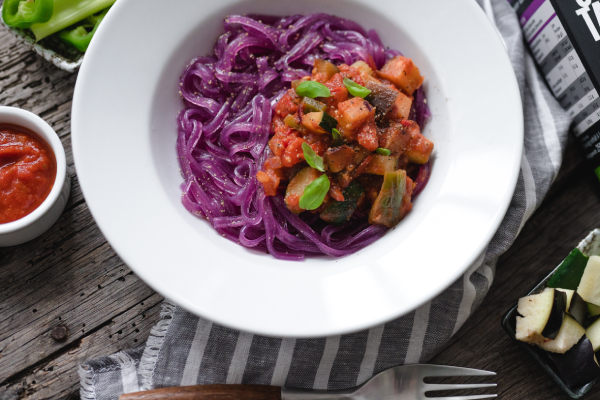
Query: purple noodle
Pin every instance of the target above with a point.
(223, 130)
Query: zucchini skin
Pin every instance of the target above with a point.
(340, 212)
(569, 273)
(328, 123)
(557, 314)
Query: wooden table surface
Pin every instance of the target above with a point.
(71, 277)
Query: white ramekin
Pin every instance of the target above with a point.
(43, 217)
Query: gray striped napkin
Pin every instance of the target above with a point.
(184, 349)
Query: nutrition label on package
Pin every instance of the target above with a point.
(559, 62)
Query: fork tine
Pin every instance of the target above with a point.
(475, 397)
(447, 370)
(430, 387)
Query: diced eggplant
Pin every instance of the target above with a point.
(386, 209)
(382, 97)
(542, 316)
(593, 309)
(379, 165)
(569, 273)
(319, 122)
(576, 306)
(309, 105)
(338, 158)
(593, 333)
(568, 336)
(324, 70)
(589, 287)
(295, 188)
(406, 138)
(403, 73)
(340, 212)
(577, 366)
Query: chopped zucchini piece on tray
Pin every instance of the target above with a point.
(568, 275)
(589, 287)
(576, 306)
(593, 333)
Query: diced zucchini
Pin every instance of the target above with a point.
(309, 105)
(569, 273)
(295, 188)
(568, 336)
(325, 69)
(386, 208)
(542, 316)
(319, 122)
(290, 121)
(589, 287)
(380, 164)
(362, 67)
(340, 212)
(353, 114)
(593, 309)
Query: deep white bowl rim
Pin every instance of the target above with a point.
(45, 131)
(289, 327)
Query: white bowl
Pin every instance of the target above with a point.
(43, 217)
(124, 131)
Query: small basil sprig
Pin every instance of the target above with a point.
(312, 89)
(382, 151)
(312, 158)
(314, 194)
(337, 137)
(355, 89)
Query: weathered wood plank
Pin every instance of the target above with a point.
(58, 379)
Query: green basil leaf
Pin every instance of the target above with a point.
(312, 89)
(337, 137)
(312, 158)
(355, 89)
(314, 194)
(383, 152)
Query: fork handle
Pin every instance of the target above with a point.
(208, 392)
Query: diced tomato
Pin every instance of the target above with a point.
(285, 106)
(406, 122)
(270, 180)
(339, 92)
(336, 193)
(367, 136)
(403, 73)
(283, 136)
(273, 163)
(293, 153)
(351, 73)
(319, 143)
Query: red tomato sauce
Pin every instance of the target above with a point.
(27, 172)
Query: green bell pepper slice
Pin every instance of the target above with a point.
(24, 13)
(68, 13)
(81, 36)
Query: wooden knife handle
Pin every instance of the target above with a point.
(209, 392)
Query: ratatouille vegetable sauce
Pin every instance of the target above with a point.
(27, 172)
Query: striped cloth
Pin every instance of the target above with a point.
(185, 350)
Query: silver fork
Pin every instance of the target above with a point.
(399, 383)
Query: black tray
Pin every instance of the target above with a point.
(538, 355)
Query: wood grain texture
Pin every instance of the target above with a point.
(70, 275)
(209, 392)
